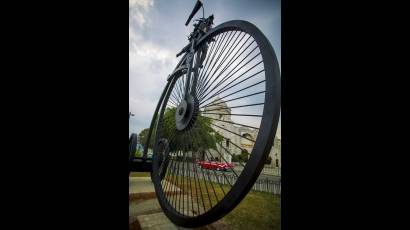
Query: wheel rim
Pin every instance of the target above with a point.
(239, 60)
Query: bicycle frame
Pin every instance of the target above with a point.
(185, 65)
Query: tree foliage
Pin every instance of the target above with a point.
(143, 137)
(199, 138)
(243, 157)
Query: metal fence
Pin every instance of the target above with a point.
(268, 170)
(266, 185)
(271, 171)
(262, 184)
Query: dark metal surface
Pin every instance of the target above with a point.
(264, 139)
(137, 164)
(186, 113)
(153, 121)
(132, 145)
(197, 6)
(200, 85)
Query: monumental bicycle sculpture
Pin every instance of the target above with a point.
(232, 62)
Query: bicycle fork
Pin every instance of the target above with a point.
(190, 86)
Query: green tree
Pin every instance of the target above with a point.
(143, 137)
(235, 158)
(198, 139)
(138, 153)
(244, 156)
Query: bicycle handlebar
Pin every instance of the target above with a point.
(194, 11)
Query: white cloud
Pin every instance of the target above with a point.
(142, 3)
(138, 10)
(139, 18)
(149, 65)
(156, 34)
(149, 51)
(133, 35)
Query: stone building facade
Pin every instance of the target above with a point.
(233, 143)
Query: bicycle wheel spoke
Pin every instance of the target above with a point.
(223, 158)
(217, 51)
(196, 188)
(176, 199)
(223, 81)
(232, 132)
(249, 95)
(205, 90)
(228, 53)
(235, 114)
(179, 88)
(233, 59)
(170, 181)
(182, 183)
(226, 89)
(172, 100)
(206, 185)
(220, 53)
(162, 165)
(237, 147)
(220, 41)
(212, 56)
(248, 126)
(190, 187)
(222, 172)
(200, 78)
(200, 188)
(209, 178)
(232, 107)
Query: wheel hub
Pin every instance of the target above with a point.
(186, 113)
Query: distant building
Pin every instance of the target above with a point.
(275, 152)
(232, 143)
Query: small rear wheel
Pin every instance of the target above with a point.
(132, 149)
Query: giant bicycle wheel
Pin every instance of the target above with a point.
(233, 110)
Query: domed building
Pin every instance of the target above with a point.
(232, 143)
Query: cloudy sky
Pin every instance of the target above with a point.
(157, 32)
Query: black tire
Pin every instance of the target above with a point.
(163, 157)
(189, 139)
(132, 148)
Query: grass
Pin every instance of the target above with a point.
(138, 153)
(140, 174)
(258, 210)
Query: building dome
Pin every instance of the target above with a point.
(216, 110)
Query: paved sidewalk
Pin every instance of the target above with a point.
(144, 209)
(140, 185)
(156, 221)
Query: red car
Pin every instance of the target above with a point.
(213, 165)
